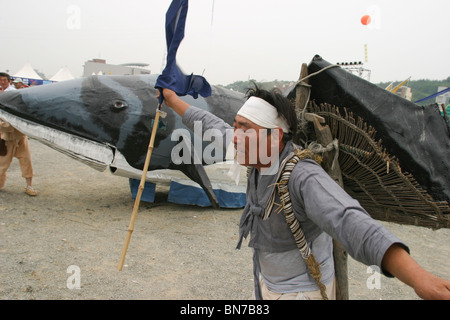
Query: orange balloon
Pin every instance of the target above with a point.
(365, 20)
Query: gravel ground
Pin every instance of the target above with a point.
(75, 229)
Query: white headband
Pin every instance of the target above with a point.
(262, 113)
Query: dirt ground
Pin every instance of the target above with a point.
(66, 243)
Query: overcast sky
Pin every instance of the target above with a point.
(232, 39)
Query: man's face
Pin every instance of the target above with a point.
(4, 82)
(255, 146)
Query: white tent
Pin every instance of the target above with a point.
(27, 72)
(28, 76)
(63, 74)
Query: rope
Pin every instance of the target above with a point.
(316, 147)
(291, 220)
(299, 82)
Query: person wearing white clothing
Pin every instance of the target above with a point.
(5, 80)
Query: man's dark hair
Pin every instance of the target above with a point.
(281, 103)
(4, 74)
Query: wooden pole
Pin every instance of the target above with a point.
(301, 98)
(139, 193)
(446, 118)
(324, 137)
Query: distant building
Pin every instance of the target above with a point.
(100, 67)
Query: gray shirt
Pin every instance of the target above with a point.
(325, 211)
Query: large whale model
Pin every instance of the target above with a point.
(106, 122)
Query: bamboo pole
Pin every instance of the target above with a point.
(139, 193)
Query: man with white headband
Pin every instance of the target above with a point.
(262, 113)
(324, 209)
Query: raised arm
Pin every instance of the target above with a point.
(220, 132)
(174, 102)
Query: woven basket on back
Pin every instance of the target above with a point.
(375, 178)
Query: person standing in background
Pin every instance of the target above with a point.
(16, 146)
(5, 80)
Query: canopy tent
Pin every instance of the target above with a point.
(63, 74)
(29, 76)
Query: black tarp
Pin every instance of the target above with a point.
(416, 135)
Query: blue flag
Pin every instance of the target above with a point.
(172, 77)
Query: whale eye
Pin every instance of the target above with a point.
(119, 105)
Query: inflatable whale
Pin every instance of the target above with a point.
(106, 122)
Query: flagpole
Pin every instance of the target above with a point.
(141, 188)
(175, 24)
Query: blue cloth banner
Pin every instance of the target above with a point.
(186, 194)
(32, 82)
(172, 77)
(148, 193)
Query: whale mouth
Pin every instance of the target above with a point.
(99, 156)
(96, 155)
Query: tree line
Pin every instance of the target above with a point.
(419, 88)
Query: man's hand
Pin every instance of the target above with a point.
(401, 265)
(173, 101)
(431, 287)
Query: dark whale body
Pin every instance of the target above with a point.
(106, 121)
